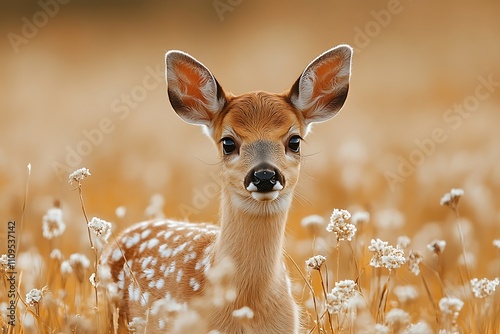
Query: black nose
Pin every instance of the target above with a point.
(263, 177)
(264, 180)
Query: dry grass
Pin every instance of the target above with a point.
(357, 285)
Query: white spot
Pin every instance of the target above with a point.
(196, 237)
(145, 233)
(168, 234)
(179, 276)
(176, 238)
(154, 262)
(160, 283)
(121, 280)
(163, 267)
(160, 223)
(145, 298)
(150, 272)
(189, 234)
(194, 284)
(117, 254)
(179, 249)
(189, 257)
(134, 293)
(146, 261)
(153, 242)
(164, 251)
(143, 246)
(132, 241)
(170, 269)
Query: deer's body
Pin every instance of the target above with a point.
(258, 136)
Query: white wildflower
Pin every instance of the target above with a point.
(451, 199)
(381, 329)
(78, 175)
(397, 315)
(4, 263)
(56, 254)
(52, 223)
(33, 297)
(406, 293)
(496, 243)
(403, 241)
(385, 255)
(120, 211)
(316, 262)
(360, 217)
(155, 207)
(420, 327)
(450, 305)
(338, 224)
(243, 313)
(414, 259)
(93, 281)
(338, 299)
(100, 227)
(483, 288)
(66, 268)
(313, 223)
(79, 263)
(437, 246)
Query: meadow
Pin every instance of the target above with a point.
(85, 88)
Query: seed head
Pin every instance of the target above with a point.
(385, 255)
(483, 288)
(52, 223)
(100, 227)
(437, 246)
(78, 175)
(338, 299)
(338, 224)
(451, 199)
(33, 297)
(315, 262)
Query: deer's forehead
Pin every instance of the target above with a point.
(259, 115)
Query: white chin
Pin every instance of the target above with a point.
(267, 196)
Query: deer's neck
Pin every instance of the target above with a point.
(252, 236)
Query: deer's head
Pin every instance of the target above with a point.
(258, 134)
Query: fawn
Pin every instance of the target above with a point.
(258, 137)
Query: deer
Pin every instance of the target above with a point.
(258, 138)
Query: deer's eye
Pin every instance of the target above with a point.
(294, 144)
(228, 145)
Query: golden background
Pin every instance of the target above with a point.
(68, 75)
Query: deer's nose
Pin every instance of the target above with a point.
(264, 178)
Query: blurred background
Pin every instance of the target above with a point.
(83, 86)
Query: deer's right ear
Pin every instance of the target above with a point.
(193, 91)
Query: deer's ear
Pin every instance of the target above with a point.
(321, 90)
(193, 91)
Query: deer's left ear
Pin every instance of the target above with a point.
(321, 90)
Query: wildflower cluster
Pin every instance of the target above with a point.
(340, 296)
(385, 255)
(338, 224)
(78, 175)
(451, 199)
(483, 288)
(52, 223)
(315, 262)
(100, 227)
